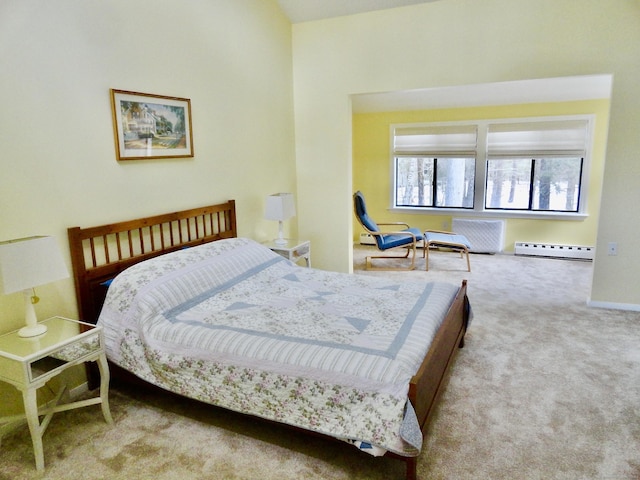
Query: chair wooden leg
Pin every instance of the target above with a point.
(412, 266)
(426, 255)
(413, 257)
(463, 252)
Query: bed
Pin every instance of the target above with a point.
(189, 307)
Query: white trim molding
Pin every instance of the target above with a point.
(631, 307)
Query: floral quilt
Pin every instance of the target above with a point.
(233, 324)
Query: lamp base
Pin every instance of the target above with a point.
(280, 240)
(32, 331)
(32, 328)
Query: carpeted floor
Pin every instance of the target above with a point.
(545, 388)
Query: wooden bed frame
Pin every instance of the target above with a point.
(99, 253)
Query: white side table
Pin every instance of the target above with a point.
(294, 250)
(29, 363)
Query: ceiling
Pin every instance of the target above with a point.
(307, 10)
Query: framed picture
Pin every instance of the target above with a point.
(151, 126)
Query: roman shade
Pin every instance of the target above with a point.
(526, 139)
(444, 140)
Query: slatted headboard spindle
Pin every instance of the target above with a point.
(99, 253)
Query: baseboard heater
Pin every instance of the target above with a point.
(553, 250)
(367, 239)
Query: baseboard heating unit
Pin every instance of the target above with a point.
(367, 239)
(576, 252)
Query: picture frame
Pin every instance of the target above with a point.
(148, 126)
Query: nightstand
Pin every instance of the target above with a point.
(29, 363)
(294, 250)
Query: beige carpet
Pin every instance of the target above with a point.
(545, 388)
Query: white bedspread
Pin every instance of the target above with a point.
(233, 324)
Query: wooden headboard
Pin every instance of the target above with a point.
(99, 253)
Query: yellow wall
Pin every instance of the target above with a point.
(58, 168)
(457, 43)
(372, 169)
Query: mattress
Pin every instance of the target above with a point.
(233, 324)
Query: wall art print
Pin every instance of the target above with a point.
(148, 126)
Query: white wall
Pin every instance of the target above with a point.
(464, 42)
(58, 168)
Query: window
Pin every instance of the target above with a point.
(435, 182)
(435, 166)
(539, 184)
(533, 166)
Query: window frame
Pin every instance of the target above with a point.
(481, 156)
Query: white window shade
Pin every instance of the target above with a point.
(538, 138)
(435, 140)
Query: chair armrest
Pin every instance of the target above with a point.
(381, 234)
(405, 225)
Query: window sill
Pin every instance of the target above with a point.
(461, 212)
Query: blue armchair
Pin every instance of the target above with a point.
(406, 238)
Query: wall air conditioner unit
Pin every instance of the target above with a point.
(485, 236)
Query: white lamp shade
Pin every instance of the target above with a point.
(280, 206)
(29, 262)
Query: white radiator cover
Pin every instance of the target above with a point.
(485, 236)
(554, 250)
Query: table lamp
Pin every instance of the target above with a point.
(280, 207)
(26, 263)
